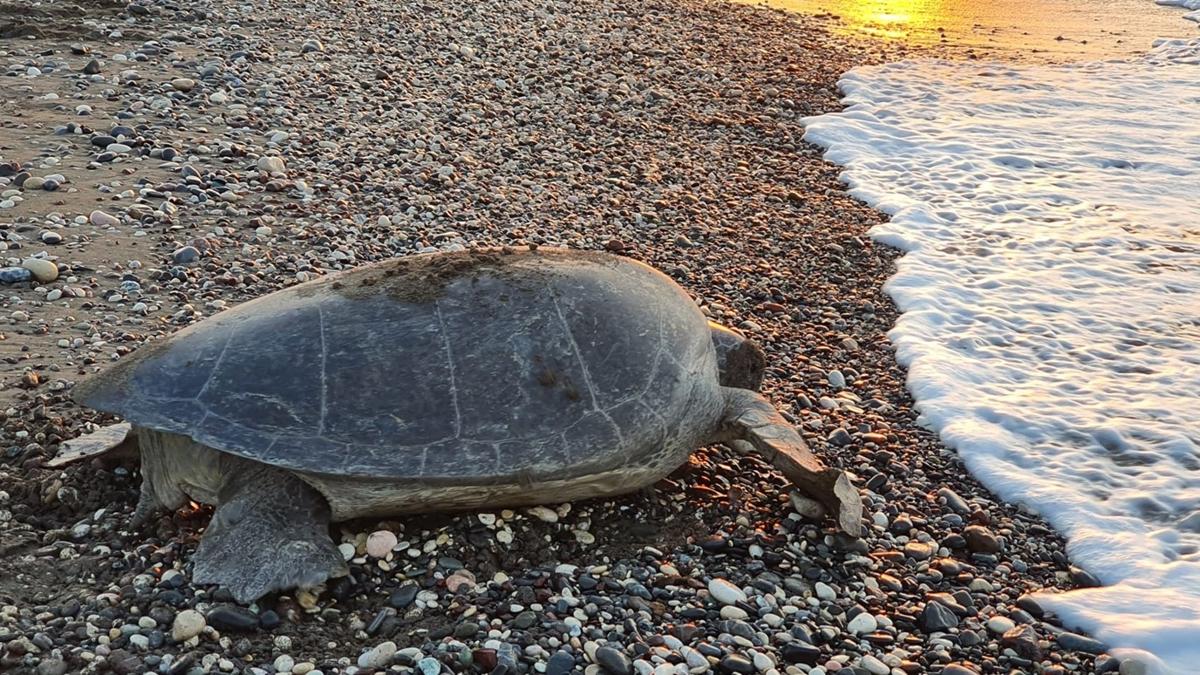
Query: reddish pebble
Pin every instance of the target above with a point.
(380, 543)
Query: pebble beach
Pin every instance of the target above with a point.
(160, 163)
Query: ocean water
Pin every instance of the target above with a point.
(1193, 5)
(1050, 299)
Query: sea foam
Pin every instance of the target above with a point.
(1050, 300)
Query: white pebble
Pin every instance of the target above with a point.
(733, 613)
(863, 623)
(102, 219)
(43, 270)
(544, 514)
(271, 165)
(874, 665)
(377, 657)
(188, 624)
(725, 592)
(1000, 624)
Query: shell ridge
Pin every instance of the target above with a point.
(283, 404)
(348, 450)
(616, 427)
(437, 309)
(583, 369)
(655, 362)
(215, 367)
(324, 380)
(658, 416)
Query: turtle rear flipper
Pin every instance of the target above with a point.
(114, 439)
(270, 532)
(752, 418)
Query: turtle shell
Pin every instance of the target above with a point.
(475, 366)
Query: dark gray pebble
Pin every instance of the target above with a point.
(269, 620)
(185, 255)
(379, 620)
(232, 619)
(1080, 643)
(613, 661)
(710, 650)
(1030, 605)
(840, 437)
(525, 620)
(52, 667)
(124, 663)
(14, 275)
(737, 664)
(561, 663)
(954, 501)
(969, 638)
(404, 596)
(1084, 578)
(937, 617)
(800, 652)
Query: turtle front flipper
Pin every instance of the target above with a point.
(751, 417)
(270, 532)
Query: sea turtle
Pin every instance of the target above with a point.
(484, 378)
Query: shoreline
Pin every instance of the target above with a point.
(670, 134)
(1048, 31)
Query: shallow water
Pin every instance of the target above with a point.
(1051, 303)
(1050, 29)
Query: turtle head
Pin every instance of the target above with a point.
(740, 361)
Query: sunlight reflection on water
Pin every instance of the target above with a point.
(1089, 28)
